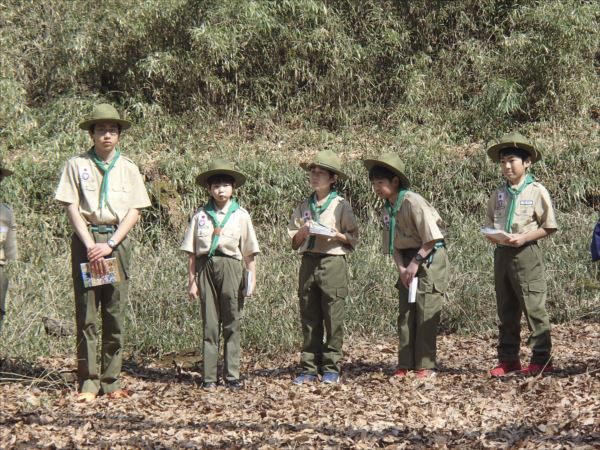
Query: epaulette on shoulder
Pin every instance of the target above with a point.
(129, 160)
(244, 210)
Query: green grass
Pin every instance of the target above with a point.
(267, 83)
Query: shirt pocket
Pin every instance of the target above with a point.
(89, 186)
(120, 188)
(230, 237)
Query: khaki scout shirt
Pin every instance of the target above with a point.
(417, 222)
(338, 215)
(80, 183)
(237, 240)
(8, 235)
(534, 209)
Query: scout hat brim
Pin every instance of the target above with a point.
(104, 113)
(309, 165)
(370, 163)
(514, 140)
(238, 177)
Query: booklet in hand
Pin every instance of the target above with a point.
(321, 230)
(91, 278)
(498, 235)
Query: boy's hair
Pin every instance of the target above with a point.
(93, 128)
(381, 173)
(513, 151)
(330, 172)
(220, 178)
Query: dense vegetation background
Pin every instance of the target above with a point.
(268, 83)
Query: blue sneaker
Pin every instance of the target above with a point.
(305, 378)
(331, 377)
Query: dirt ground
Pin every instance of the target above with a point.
(460, 408)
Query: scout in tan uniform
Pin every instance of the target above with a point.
(103, 192)
(219, 237)
(8, 245)
(522, 208)
(323, 278)
(412, 234)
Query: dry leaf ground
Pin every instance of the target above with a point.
(461, 408)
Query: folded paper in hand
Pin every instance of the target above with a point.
(91, 278)
(322, 230)
(498, 235)
(247, 283)
(412, 290)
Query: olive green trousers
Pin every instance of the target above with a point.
(3, 290)
(418, 322)
(520, 281)
(111, 300)
(220, 284)
(322, 291)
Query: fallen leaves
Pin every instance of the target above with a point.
(461, 408)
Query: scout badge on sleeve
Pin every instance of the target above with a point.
(595, 247)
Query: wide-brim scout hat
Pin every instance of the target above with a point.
(327, 160)
(514, 140)
(392, 162)
(4, 172)
(104, 112)
(220, 166)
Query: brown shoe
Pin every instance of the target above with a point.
(121, 393)
(84, 397)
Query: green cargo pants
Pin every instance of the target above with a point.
(322, 291)
(520, 280)
(3, 290)
(219, 282)
(111, 299)
(418, 322)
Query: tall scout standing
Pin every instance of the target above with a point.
(323, 278)
(522, 208)
(103, 192)
(412, 234)
(220, 235)
(8, 244)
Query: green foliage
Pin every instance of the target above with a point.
(266, 83)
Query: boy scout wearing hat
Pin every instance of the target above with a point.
(219, 236)
(8, 244)
(323, 277)
(522, 208)
(103, 192)
(412, 234)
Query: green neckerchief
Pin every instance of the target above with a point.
(392, 211)
(105, 172)
(212, 213)
(316, 211)
(514, 195)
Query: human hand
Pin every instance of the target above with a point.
(407, 275)
(516, 240)
(193, 291)
(98, 251)
(99, 267)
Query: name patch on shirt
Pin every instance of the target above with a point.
(526, 202)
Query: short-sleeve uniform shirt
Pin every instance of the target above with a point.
(533, 210)
(237, 238)
(81, 181)
(417, 222)
(8, 235)
(338, 215)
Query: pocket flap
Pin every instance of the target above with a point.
(537, 286)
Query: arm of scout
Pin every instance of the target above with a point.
(407, 275)
(80, 229)
(193, 291)
(98, 251)
(518, 240)
(348, 233)
(489, 217)
(250, 262)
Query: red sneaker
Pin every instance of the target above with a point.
(400, 373)
(504, 368)
(426, 373)
(535, 369)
